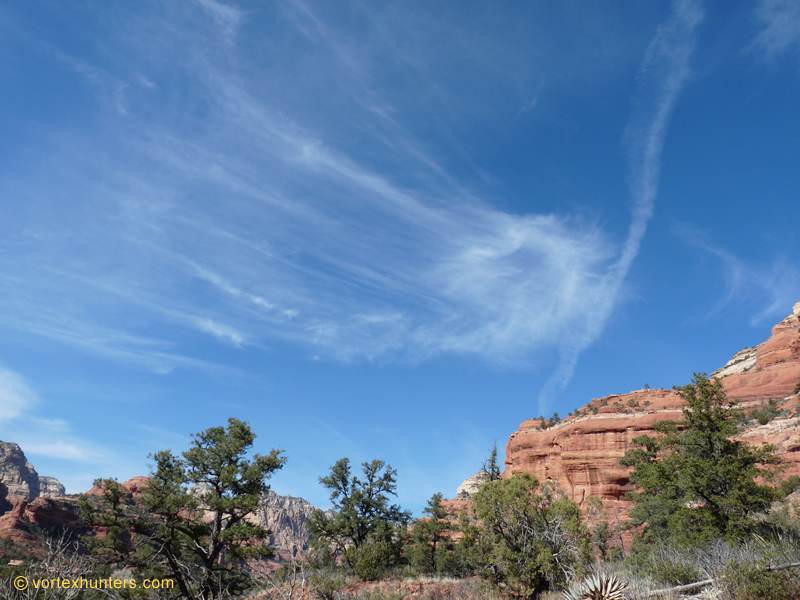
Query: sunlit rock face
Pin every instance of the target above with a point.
(581, 453)
(286, 517)
(50, 487)
(20, 481)
(17, 474)
(472, 484)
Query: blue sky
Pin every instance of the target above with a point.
(380, 230)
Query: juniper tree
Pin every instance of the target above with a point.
(366, 528)
(202, 499)
(695, 482)
(433, 546)
(532, 537)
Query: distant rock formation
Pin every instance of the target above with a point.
(5, 505)
(47, 512)
(50, 487)
(17, 474)
(581, 453)
(286, 517)
(471, 485)
(19, 481)
(132, 488)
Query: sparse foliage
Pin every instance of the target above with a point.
(60, 558)
(766, 412)
(491, 467)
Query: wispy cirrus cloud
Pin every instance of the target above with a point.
(255, 223)
(225, 16)
(15, 395)
(662, 74)
(768, 286)
(236, 200)
(49, 437)
(779, 22)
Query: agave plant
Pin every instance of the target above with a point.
(598, 587)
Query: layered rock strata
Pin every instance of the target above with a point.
(581, 453)
(20, 481)
(50, 487)
(17, 474)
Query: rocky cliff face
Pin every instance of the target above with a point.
(46, 512)
(581, 453)
(20, 481)
(50, 487)
(287, 518)
(17, 474)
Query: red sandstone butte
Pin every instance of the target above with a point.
(132, 488)
(581, 454)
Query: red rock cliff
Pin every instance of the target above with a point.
(581, 453)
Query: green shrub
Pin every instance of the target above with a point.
(744, 581)
(675, 573)
(370, 559)
(532, 537)
(766, 412)
(788, 486)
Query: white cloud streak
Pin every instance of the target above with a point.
(663, 73)
(15, 395)
(49, 437)
(769, 286)
(226, 17)
(780, 27)
(259, 203)
(62, 450)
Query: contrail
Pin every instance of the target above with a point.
(662, 74)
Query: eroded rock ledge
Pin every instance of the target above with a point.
(581, 453)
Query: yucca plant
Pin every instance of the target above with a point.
(599, 586)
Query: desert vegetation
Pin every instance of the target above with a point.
(708, 511)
